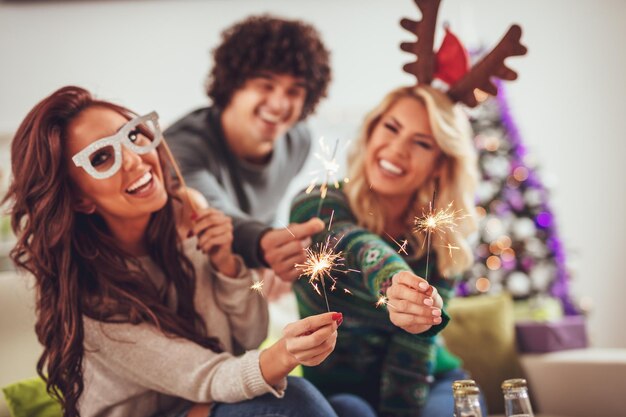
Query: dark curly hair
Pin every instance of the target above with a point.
(266, 43)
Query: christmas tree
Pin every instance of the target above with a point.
(518, 249)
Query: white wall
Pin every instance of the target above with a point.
(568, 101)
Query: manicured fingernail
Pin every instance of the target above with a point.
(336, 316)
(423, 286)
(429, 291)
(436, 312)
(428, 301)
(339, 322)
(437, 320)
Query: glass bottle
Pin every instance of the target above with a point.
(516, 400)
(466, 402)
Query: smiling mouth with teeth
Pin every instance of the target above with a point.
(141, 183)
(269, 117)
(389, 167)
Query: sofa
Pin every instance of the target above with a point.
(577, 383)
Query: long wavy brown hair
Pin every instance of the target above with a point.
(79, 268)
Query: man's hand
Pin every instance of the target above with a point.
(283, 248)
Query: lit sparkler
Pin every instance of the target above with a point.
(330, 167)
(435, 221)
(319, 264)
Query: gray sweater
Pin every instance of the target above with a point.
(249, 193)
(136, 370)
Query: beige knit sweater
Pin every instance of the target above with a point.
(135, 370)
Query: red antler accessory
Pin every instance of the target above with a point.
(450, 63)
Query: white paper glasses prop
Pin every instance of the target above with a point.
(103, 158)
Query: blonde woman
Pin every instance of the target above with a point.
(414, 141)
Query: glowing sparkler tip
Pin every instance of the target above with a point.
(437, 220)
(320, 261)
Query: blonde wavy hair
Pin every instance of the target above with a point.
(457, 179)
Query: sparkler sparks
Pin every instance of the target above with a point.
(320, 262)
(402, 245)
(258, 286)
(451, 247)
(437, 220)
(330, 167)
(383, 300)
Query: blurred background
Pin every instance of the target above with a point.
(567, 103)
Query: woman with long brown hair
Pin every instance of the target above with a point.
(141, 305)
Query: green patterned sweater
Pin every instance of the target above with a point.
(385, 365)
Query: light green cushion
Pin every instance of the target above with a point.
(29, 398)
(482, 333)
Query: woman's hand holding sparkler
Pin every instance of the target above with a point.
(413, 304)
(215, 238)
(305, 342)
(283, 248)
(311, 340)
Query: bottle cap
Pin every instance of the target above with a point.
(465, 391)
(460, 383)
(514, 383)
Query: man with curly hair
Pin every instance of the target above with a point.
(241, 152)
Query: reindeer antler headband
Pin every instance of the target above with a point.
(461, 81)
